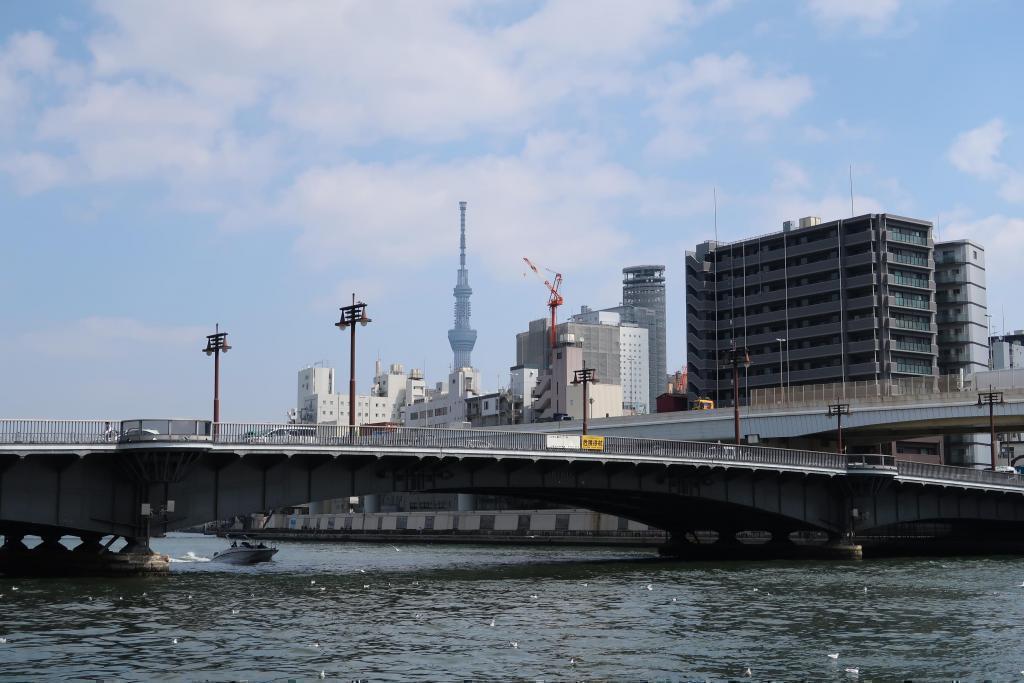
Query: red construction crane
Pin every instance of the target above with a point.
(555, 299)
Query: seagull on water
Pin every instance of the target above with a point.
(650, 587)
(572, 661)
(673, 599)
(312, 581)
(533, 597)
(322, 674)
(514, 644)
(362, 571)
(852, 670)
(366, 585)
(748, 673)
(15, 588)
(397, 549)
(174, 641)
(234, 611)
(585, 584)
(834, 655)
(3, 640)
(323, 588)
(316, 644)
(492, 622)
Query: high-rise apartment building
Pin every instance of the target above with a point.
(962, 304)
(1006, 351)
(643, 287)
(851, 299)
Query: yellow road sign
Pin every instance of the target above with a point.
(592, 443)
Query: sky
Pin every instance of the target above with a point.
(165, 167)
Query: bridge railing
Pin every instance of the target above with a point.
(60, 431)
(964, 474)
(419, 437)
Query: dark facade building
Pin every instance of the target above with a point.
(847, 300)
(643, 287)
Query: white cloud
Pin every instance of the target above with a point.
(24, 56)
(976, 152)
(106, 337)
(870, 16)
(33, 172)
(558, 193)
(790, 175)
(358, 72)
(716, 88)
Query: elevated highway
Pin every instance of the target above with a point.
(870, 422)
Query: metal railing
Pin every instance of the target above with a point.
(909, 238)
(73, 433)
(944, 388)
(963, 474)
(60, 431)
(132, 432)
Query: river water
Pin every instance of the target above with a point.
(425, 612)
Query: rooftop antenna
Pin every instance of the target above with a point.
(852, 214)
(714, 191)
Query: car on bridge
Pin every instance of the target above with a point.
(291, 434)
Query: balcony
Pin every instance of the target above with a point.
(912, 368)
(914, 347)
(903, 281)
(907, 259)
(903, 324)
(905, 302)
(907, 238)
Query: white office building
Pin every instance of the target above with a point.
(320, 402)
(445, 404)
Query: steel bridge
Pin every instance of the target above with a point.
(136, 477)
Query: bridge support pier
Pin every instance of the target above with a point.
(779, 547)
(51, 558)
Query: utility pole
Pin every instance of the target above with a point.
(837, 410)
(350, 315)
(991, 398)
(216, 344)
(585, 377)
(737, 356)
(782, 377)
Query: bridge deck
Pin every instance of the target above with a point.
(81, 437)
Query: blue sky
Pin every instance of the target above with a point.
(168, 166)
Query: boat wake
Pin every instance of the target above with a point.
(190, 557)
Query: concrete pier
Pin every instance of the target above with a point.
(53, 559)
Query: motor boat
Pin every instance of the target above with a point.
(245, 552)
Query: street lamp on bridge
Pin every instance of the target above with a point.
(586, 376)
(350, 315)
(736, 357)
(216, 344)
(991, 398)
(837, 410)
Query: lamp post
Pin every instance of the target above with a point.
(991, 398)
(782, 377)
(837, 410)
(737, 356)
(216, 344)
(585, 377)
(350, 315)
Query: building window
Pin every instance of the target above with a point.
(486, 522)
(561, 522)
(402, 522)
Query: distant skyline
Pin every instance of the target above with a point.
(168, 166)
